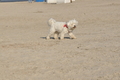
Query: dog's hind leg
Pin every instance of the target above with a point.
(56, 35)
(48, 37)
(62, 36)
(52, 31)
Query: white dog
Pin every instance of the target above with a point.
(61, 28)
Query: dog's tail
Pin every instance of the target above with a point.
(51, 21)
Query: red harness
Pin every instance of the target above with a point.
(65, 26)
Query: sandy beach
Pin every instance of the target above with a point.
(25, 54)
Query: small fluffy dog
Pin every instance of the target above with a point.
(61, 28)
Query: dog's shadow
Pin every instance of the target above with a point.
(53, 37)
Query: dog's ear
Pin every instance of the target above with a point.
(51, 18)
(76, 21)
(68, 23)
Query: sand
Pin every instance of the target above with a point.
(25, 54)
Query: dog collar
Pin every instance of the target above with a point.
(65, 26)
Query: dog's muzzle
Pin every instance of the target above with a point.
(74, 26)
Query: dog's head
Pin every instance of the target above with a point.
(51, 21)
(72, 24)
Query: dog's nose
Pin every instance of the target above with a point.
(74, 26)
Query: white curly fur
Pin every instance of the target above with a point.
(61, 28)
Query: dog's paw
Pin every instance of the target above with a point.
(61, 38)
(73, 38)
(47, 38)
(56, 38)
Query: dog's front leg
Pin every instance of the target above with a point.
(72, 36)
